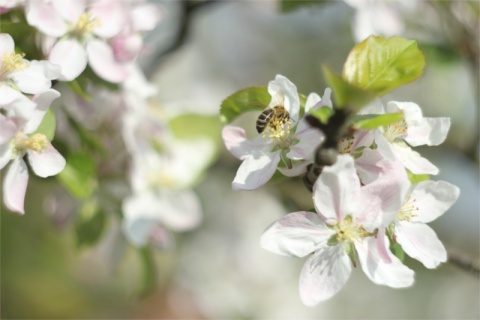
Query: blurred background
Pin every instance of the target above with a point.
(200, 53)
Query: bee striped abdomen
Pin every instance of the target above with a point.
(264, 119)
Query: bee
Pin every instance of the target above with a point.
(272, 117)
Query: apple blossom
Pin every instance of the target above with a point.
(84, 33)
(292, 141)
(19, 139)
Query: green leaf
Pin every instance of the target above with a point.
(249, 99)
(397, 250)
(416, 178)
(90, 224)
(79, 86)
(346, 94)
(322, 114)
(291, 5)
(373, 121)
(48, 125)
(149, 275)
(382, 64)
(189, 125)
(79, 175)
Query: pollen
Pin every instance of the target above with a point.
(409, 209)
(38, 142)
(395, 130)
(278, 129)
(348, 230)
(11, 62)
(86, 23)
(345, 145)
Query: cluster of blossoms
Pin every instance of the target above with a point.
(107, 37)
(364, 202)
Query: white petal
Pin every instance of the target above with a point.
(431, 132)
(255, 171)
(308, 140)
(6, 44)
(298, 169)
(433, 198)
(16, 104)
(297, 234)
(411, 111)
(283, 87)
(6, 151)
(112, 16)
(45, 17)
(70, 55)
(394, 274)
(34, 79)
(8, 129)
(47, 162)
(312, 100)
(324, 274)
(414, 162)
(15, 186)
(145, 16)
(336, 192)
(420, 242)
(102, 60)
(70, 10)
(180, 210)
(236, 142)
(43, 101)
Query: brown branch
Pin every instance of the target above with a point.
(463, 261)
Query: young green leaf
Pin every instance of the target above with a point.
(322, 114)
(373, 121)
(416, 178)
(79, 175)
(382, 64)
(346, 94)
(249, 99)
(48, 125)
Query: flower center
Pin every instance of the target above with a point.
(408, 210)
(395, 130)
(278, 129)
(163, 179)
(345, 145)
(86, 23)
(11, 62)
(38, 142)
(347, 230)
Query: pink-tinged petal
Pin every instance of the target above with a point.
(181, 210)
(8, 128)
(297, 234)
(16, 104)
(363, 138)
(382, 246)
(432, 199)
(145, 16)
(384, 146)
(43, 101)
(386, 186)
(112, 15)
(70, 55)
(6, 44)
(236, 142)
(15, 186)
(374, 107)
(255, 171)
(337, 190)
(282, 87)
(6, 152)
(46, 163)
(126, 47)
(324, 274)
(414, 162)
(394, 274)
(298, 169)
(161, 238)
(308, 140)
(36, 78)
(420, 242)
(70, 10)
(102, 60)
(431, 132)
(46, 18)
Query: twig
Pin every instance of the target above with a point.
(461, 260)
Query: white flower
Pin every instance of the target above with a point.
(18, 138)
(292, 141)
(344, 225)
(425, 202)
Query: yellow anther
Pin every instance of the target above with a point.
(12, 61)
(87, 23)
(163, 179)
(408, 210)
(347, 230)
(395, 130)
(38, 142)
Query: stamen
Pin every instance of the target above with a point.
(408, 210)
(347, 230)
(12, 61)
(38, 142)
(395, 130)
(86, 23)
(345, 145)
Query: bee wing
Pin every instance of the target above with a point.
(277, 100)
